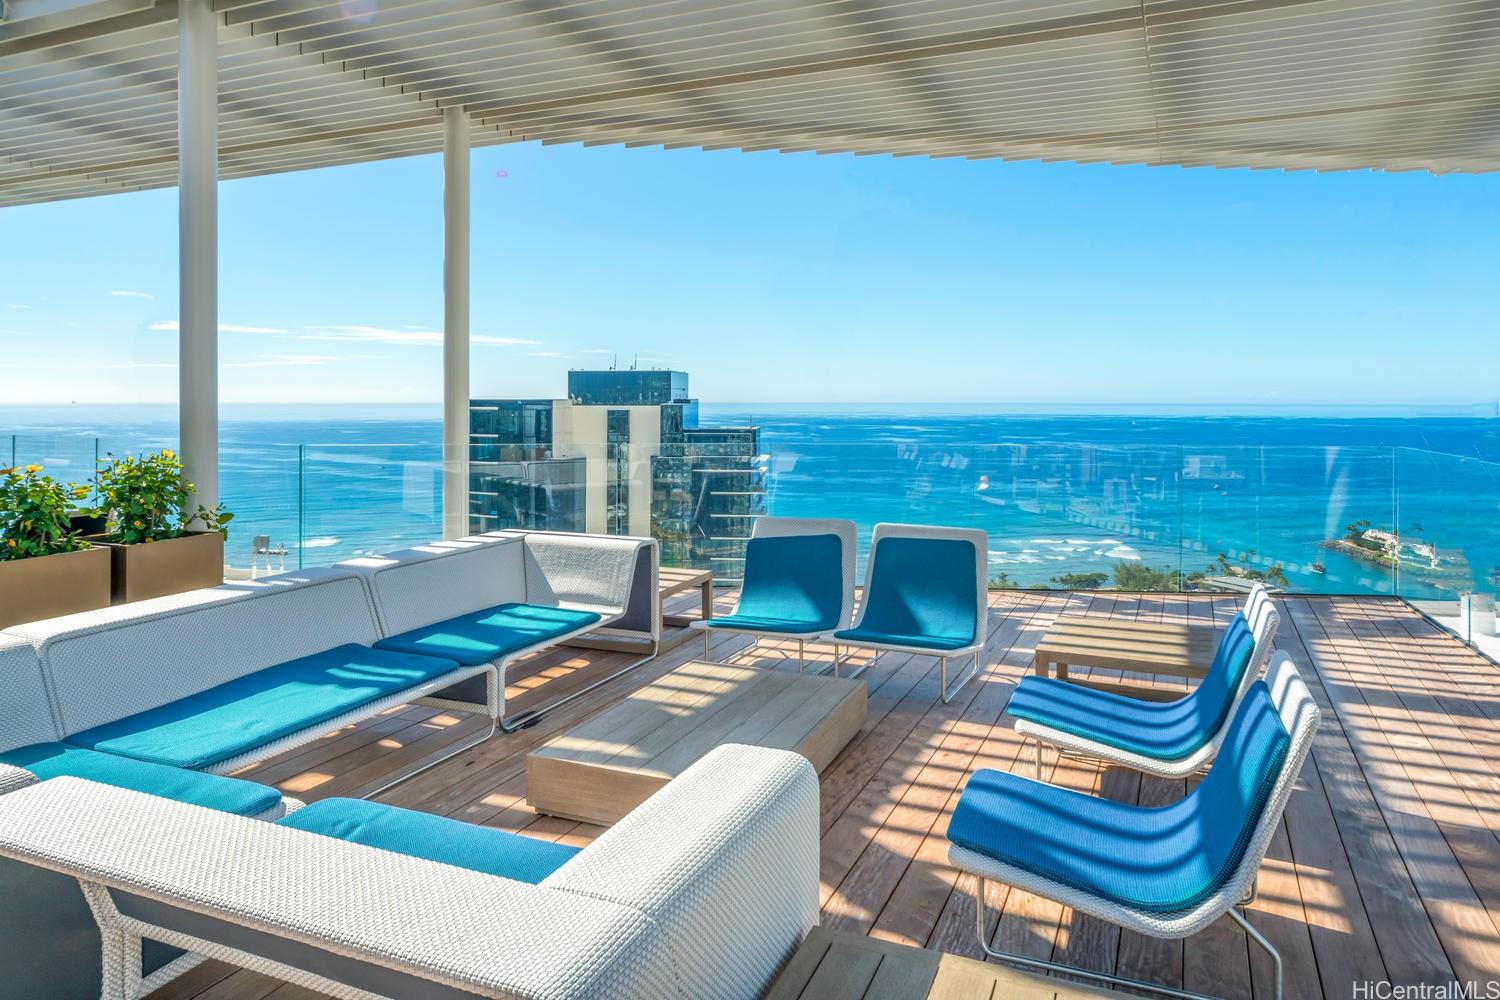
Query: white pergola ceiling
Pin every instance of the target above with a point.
(88, 97)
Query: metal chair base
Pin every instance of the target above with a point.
(1042, 965)
(948, 693)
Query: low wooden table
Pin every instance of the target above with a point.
(611, 763)
(838, 965)
(1121, 644)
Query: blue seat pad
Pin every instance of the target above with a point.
(921, 593)
(1160, 860)
(248, 712)
(231, 795)
(436, 838)
(486, 635)
(1160, 730)
(751, 623)
(939, 642)
(792, 583)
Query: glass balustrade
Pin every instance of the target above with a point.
(1416, 524)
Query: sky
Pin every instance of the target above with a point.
(784, 278)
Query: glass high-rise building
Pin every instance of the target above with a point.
(622, 454)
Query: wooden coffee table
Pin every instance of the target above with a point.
(1140, 647)
(611, 763)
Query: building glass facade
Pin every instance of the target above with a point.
(706, 484)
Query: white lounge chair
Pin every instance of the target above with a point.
(926, 592)
(1168, 739)
(798, 583)
(1167, 872)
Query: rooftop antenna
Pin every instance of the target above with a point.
(635, 363)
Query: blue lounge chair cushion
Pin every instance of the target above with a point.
(792, 583)
(1162, 731)
(249, 712)
(436, 838)
(922, 594)
(488, 634)
(1160, 860)
(231, 795)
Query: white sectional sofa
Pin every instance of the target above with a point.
(489, 600)
(702, 893)
(164, 697)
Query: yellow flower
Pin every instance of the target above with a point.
(138, 524)
(12, 543)
(33, 468)
(168, 453)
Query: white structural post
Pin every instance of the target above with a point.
(198, 246)
(455, 323)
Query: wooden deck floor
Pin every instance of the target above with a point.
(1387, 866)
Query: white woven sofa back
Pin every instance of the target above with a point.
(105, 665)
(25, 712)
(434, 582)
(724, 860)
(580, 571)
(702, 893)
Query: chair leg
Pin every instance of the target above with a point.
(705, 644)
(1041, 965)
(967, 677)
(801, 656)
(1038, 760)
(1267, 947)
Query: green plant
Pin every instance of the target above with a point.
(1136, 576)
(1081, 581)
(1002, 581)
(34, 514)
(146, 499)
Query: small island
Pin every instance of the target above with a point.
(1445, 569)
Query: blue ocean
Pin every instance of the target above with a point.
(1059, 490)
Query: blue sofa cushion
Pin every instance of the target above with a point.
(436, 838)
(231, 795)
(486, 635)
(1161, 860)
(792, 583)
(1162, 731)
(922, 594)
(235, 718)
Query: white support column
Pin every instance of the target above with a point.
(198, 246)
(455, 323)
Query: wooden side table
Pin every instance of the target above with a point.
(1139, 647)
(674, 580)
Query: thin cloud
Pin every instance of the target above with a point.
(120, 294)
(17, 305)
(287, 361)
(172, 326)
(547, 354)
(403, 338)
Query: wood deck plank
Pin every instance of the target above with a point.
(1387, 864)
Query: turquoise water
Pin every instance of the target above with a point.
(1057, 492)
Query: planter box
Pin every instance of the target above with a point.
(52, 586)
(156, 569)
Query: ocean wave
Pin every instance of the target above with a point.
(321, 543)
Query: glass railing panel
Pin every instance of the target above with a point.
(1447, 551)
(1292, 517)
(262, 485)
(1078, 517)
(368, 498)
(67, 457)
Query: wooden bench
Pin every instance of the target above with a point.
(1138, 647)
(611, 763)
(838, 965)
